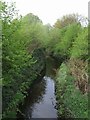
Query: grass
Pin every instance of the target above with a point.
(71, 102)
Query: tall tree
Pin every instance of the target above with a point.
(70, 19)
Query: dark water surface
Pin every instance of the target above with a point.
(41, 101)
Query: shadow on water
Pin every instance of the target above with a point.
(41, 101)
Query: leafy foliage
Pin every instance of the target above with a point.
(19, 65)
(71, 102)
(70, 19)
(80, 46)
(23, 41)
(63, 48)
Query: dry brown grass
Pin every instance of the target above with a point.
(79, 69)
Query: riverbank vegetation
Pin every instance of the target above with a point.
(26, 42)
(20, 66)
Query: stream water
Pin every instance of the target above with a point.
(41, 101)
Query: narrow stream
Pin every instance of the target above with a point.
(41, 101)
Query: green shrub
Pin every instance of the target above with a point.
(69, 97)
(80, 45)
(19, 66)
(63, 48)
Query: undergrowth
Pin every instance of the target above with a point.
(71, 102)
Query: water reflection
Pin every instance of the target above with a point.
(35, 95)
(41, 102)
(46, 107)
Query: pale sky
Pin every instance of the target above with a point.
(50, 10)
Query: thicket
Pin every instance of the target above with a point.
(71, 101)
(20, 66)
(72, 79)
(67, 41)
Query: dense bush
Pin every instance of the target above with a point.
(20, 66)
(72, 103)
(15, 92)
(80, 45)
(79, 69)
(22, 41)
(72, 79)
(64, 46)
(32, 32)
